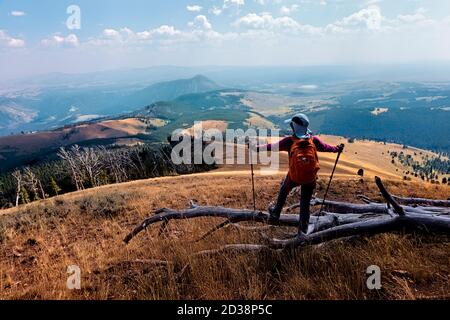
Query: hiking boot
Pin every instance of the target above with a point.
(302, 237)
(274, 217)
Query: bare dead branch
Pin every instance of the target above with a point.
(17, 175)
(373, 207)
(213, 230)
(234, 215)
(418, 201)
(397, 208)
(369, 219)
(366, 199)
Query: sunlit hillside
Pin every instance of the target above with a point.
(40, 240)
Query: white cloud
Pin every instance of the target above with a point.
(216, 11)
(57, 40)
(164, 36)
(111, 33)
(166, 30)
(123, 35)
(367, 18)
(72, 40)
(265, 2)
(194, 8)
(370, 17)
(266, 21)
(144, 35)
(10, 42)
(418, 16)
(229, 3)
(17, 13)
(15, 43)
(201, 22)
(264, 30)
(365, 35)
(126, 36)
(259, 27)
(289, 10)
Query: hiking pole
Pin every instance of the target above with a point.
(329, 183)
(253, 178)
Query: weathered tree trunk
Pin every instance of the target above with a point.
(417, 201)
(42, 189)
(347, 220)
(18, 176)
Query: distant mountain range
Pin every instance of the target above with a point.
(12, 114)
(410, 113)
(169, 90)
(47, 108)
(153, 123)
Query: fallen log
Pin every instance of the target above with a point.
(372, 207)
(366, 199)
(234, 216)
(417, 201)
(370, 219)
(407, 224)
(404, 222)
(326, 221)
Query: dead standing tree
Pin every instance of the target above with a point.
(17, 175)
(341, 220)
(91, 164)
(31, 180)
(71, 158)
(85, 165)
(116, 162)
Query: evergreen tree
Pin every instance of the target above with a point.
(56, 189)
(24, 196)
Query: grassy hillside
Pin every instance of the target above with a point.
(44, 108)
(414, 114)
(153, 123)
(32, 148)
(373, 157)
(400, 113)
(167, 91)
(39, 241)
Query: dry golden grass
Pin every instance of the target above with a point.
(39, 241)
(206, 125)
(67, 136)
(371, 156)
(256, 121)
(130, 126)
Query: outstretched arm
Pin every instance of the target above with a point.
(282, 145)
(323, 147)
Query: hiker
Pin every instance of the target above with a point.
(302, 147)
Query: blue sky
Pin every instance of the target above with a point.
(34, 37)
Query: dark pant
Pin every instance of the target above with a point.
(307, 192)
